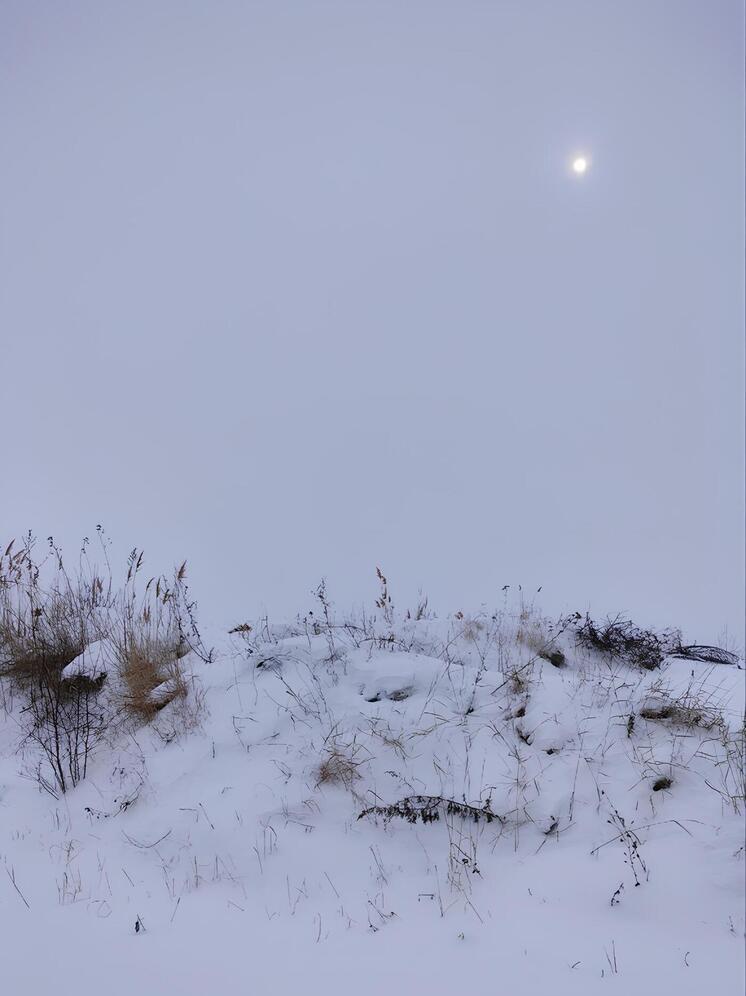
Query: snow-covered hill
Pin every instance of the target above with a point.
(389, 804)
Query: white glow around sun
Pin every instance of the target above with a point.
(579, 165)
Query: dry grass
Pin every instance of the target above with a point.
(691, 709)
(539, 636)
(339, 766)
(153, 632)
(518, 679)
(152, 676)
(532, 633)
(46, 618)
(27, 656)
(472, 629)
(49, 616)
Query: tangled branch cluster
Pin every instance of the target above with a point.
(428, 809)
(621, 638)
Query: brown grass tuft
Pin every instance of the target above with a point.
(692, 709)
(339, 767)
(152, 675)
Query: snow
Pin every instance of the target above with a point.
(98, 658)
(246, 871)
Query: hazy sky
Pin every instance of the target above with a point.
(293, 289)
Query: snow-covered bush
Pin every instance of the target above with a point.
(47, 619)
(84, 656)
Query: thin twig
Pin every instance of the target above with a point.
(12, 877)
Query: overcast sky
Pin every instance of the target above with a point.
(294, 289)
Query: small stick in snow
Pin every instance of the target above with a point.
(332, 885)
(136, 843)
(12, 876)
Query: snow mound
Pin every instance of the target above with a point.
(430, 801)
(97, 659)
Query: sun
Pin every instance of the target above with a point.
(580, 165)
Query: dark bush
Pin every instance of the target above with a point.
(428, 809)
(621, 638)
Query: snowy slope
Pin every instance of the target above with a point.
(239, 851)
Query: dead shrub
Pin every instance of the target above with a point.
(47, 619)
(644, 648)
(706, 654)
(428, 809)
(67, 722)
(621, 638)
